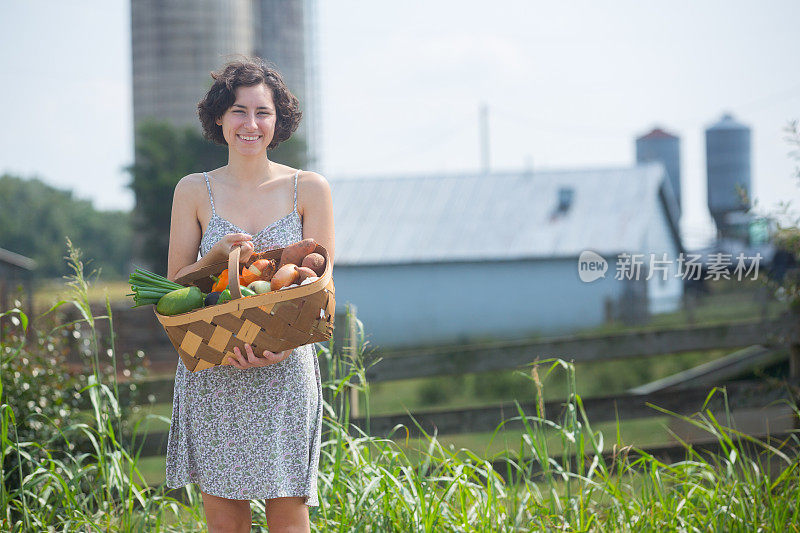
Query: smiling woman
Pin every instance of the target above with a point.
(250, 428)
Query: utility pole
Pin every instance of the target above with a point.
(483, 127)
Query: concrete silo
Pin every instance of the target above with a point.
(285, 34)
(176, 44)
(728, 167)
(658, 145)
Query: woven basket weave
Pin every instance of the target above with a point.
(275, 321)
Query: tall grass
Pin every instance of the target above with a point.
(372, 483)
(64, 485)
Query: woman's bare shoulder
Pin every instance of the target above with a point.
(191, 186)
(313, 191)
(312, 182)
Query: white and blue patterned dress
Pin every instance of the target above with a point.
(253, 433)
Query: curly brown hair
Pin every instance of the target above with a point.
(246, 73)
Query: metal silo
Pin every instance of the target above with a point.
(727, 165)
(658, 145)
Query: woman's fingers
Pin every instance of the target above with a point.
(237, 360)
(277, 357)
(251, 357)
(252, 360)
(238, 237)
(246, 252)
(246, 248)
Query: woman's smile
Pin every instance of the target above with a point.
(249, 139)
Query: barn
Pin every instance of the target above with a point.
(437, 259)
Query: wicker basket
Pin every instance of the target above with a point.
(275, 321)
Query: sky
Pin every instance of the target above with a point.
(566, 84)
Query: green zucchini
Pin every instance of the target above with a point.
(180, 301)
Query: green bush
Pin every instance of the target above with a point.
(30, 203)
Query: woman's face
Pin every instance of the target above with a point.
(249, 124)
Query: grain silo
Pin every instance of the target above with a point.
(728, 167)
(175, 45)
(658, 145)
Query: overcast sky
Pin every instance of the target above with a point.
(568, 85)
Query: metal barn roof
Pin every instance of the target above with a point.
(500, 216)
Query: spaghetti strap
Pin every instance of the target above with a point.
(295, 188)
(208, 186)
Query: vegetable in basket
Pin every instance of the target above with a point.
(260, 286)
(295, 253)
(148, 287)
(315, 262)
(264, 269)
(285, 276)
(220, 282)
(180, 301)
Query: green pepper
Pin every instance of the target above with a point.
(224, 296)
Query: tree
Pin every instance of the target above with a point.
(35, 218)
(163, 155)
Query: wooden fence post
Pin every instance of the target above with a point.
(3, 304)
(794, 346)
(689, 305)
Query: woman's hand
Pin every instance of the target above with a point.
(253, 361)
(224, 246)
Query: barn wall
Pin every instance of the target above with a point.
(407, 305)
(664, 296)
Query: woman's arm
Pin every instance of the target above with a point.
(316, 206)
(184, 232)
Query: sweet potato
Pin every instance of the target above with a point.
(315, 262)
(294, 253)
(305, 272)
(286, 275)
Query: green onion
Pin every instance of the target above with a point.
(148, 287)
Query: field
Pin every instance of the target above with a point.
(727, 301)
(554, 473)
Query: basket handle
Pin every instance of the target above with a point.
(233, 272)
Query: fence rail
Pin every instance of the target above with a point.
(601, 409)
(647, 343)
(478, 358)
(494, 356)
